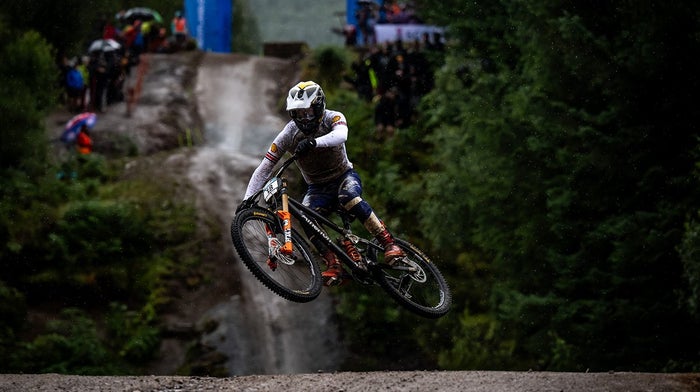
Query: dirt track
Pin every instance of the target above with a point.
(376, 381)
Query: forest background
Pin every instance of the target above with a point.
(552, 173)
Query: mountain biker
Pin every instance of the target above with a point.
(317, 136)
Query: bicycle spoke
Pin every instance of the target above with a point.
(416, 283)
(295, 277)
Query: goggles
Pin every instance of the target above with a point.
(302, 114)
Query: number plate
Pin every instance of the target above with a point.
(271, 189)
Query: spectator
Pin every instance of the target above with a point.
(385, 113)
(400, 12)
(363, 79)
(178, 28)
(85, 73)
(100, 67)
(83, 142)
(109, 31)
(402, 81)
(160, 42)
(147, 32)
(133, 41)
(438, 45)
(366, 20)
(379, 61)
(75, 86)
(397, 77)
(419, 69)
(391, 10)
(350, 34)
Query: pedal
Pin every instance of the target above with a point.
(330, 281)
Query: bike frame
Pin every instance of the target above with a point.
(317, 224)
(314, 222)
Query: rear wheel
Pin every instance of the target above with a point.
(414, 281)
(296, 276)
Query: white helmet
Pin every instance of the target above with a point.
(306, 103)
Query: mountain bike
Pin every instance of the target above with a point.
(280, 257)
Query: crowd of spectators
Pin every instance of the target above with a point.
(99, 77)
(394, 76)
(370, 13)
(391, 75)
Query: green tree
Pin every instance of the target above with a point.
(246, 34)
(567, 130)
(27, 77)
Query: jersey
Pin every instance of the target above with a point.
(328, 161)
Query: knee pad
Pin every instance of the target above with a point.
(358, 207)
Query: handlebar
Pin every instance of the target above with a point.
(251, 201)
(285, 165)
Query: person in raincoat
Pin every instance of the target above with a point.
(83, 142)
(178, 27)
(76, 136)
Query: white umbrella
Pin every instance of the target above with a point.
(104, 45)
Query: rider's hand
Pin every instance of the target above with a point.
(305, 146)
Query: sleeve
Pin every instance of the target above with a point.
(264, 169)
(338, 134)
(260, 175)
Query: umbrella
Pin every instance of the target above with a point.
(75, 124)
(104, 45)
(143, 14)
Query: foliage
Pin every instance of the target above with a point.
(245, 29)
(327, 66)
(133, 335)
(27, 75)
(380, 335)
(13, 308)
(109, 246)
(100, 243)
(690, 256)
(573, 160)
(70, 346)
(552, 176)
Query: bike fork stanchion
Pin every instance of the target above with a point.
(286, 221)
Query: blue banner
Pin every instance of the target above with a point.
(350, 10)
(210, 23)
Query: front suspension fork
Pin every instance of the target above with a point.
(286, 218)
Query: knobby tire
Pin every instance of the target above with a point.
(431, 298)
(299, 280)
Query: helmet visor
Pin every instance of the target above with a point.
(302, 114)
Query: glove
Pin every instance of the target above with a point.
(245, 204)
(305, 146)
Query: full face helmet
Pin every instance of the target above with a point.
(306, 103)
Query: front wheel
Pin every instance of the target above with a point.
(257, 236)
(414, 281)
